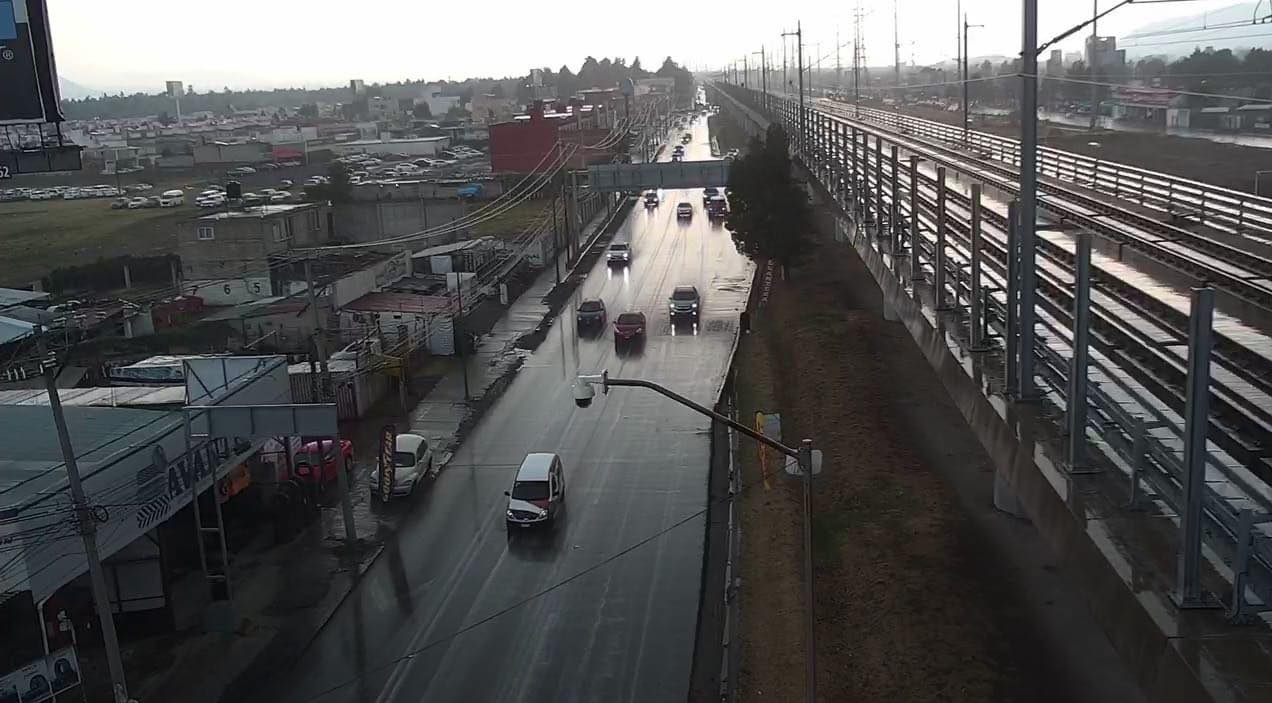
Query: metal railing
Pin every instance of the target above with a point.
(1223, 208)
(1136, 408)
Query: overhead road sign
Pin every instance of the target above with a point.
(28, 77)
(674, 174)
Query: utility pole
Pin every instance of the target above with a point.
(320, 344)
(958, 41)
(786, 83)
(839, 80)
(967, 110)
(1092, 64)
(460, 341)
(1028, 191)
(856, 58)
(87, 524)
(799, 58)
(746, 74)
(896, 47)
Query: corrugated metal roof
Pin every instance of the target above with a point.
(400, 302)
(14, 296)
(31, 465)
(108, 396)
(12, 329)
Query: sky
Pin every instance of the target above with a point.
(135, 45)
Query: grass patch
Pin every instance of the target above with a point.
(40, 236)
(516, 220)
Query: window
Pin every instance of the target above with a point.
(287, 227)
(206, 232)
(277, 229)
(315, 220)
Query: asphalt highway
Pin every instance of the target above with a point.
(604, 606)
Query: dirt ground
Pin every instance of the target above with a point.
(915, 598)
(1226, 165)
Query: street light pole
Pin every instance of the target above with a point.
(803, 455)
(86, 521)
(1028, 192)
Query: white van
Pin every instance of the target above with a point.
(171, 198)
(538, 493)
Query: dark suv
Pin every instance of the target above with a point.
(591, 315)
(684, 304)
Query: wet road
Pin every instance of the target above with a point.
(604, 607)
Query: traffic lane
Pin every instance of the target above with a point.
(540, 636)
(440, 542)
(623, 631)
(495, 445)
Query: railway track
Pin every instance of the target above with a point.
(1223, 208)
(1136, 331)
(1244, 274)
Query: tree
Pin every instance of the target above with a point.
(769, 216)
(308, 110)
(421, 111)
(456, 113)
(337, 190)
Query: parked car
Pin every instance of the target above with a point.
(629, 328)
(619, 254)
(538, 492)
(136, 203)
(591, 315)
(307, 459)
(171, 198)
(119, 203)
(412, 461)
(684, 211)
(286, 183)
(684, 304)
(240, 171)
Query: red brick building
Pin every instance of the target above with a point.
(529, 142)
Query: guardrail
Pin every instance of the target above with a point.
(1140, 436)
(1244, 274)
(1183, 198)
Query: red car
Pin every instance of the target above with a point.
(629, 328)
(308, 457)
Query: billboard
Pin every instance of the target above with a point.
(28, 77)
(41, 679)
(175, 89)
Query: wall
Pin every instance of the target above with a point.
(369, 222)
(250, 152)
(371, 278)
(412, 147)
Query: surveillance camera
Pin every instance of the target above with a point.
(583, 393)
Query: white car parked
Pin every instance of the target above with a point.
(412, 461)
(171, 198)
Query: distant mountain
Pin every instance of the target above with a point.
(1236, 31)
(73, 91)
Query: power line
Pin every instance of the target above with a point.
(1198, 40)
(606, 561)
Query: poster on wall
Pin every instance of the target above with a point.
(41, 679)
(27, 73)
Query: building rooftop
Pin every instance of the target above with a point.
(400, 302)
(104, 397)
(32, 467)
(12, 329)
(452, 248)
(378, 142)
(14, 296)
(258, 211)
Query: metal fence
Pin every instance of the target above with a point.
(1134, 410)
(1223, 208)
